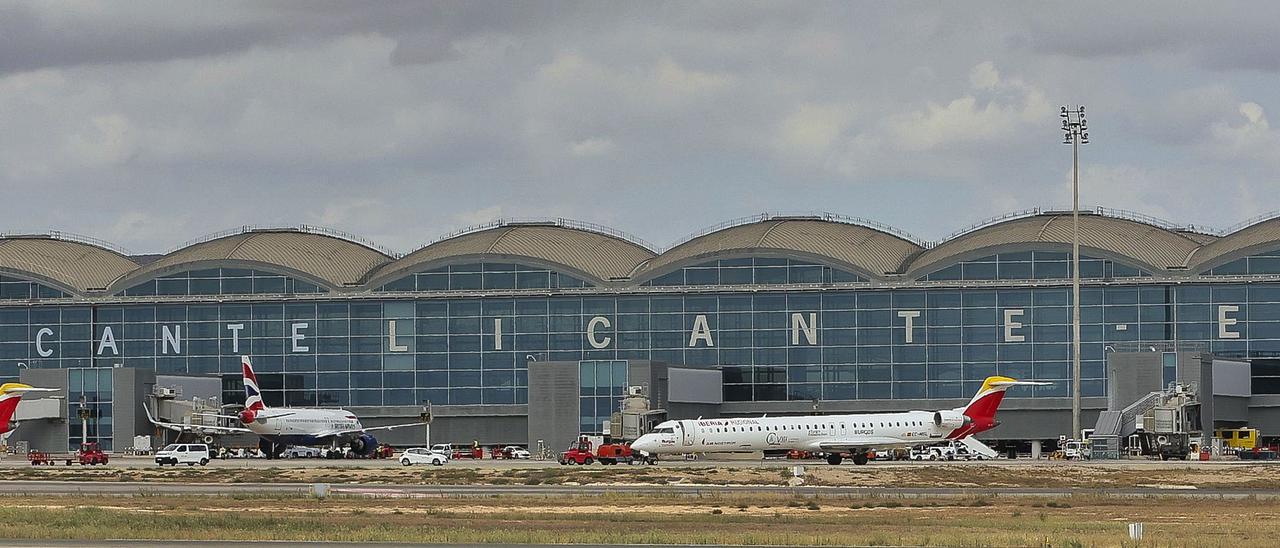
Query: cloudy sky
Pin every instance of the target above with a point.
(151, 123)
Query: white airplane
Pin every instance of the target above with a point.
(10, 394)
(835, 434)
(280, 428)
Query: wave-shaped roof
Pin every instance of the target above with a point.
(594, 255)
(859, 248)
(323, 259)
(1144, 245)
(71, 266)
(335, 261)
(1260, 236)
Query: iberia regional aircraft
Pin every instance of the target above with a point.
(280, 428)
(10, 394)
(834, 434)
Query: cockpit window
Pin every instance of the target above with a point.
(664, 431)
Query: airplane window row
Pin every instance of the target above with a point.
(805, 427)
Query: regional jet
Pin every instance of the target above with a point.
(280, 428)
(835, 435)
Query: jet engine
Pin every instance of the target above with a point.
(364, 445)
(950, 419)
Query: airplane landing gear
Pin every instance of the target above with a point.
(834, 458)
(860, 458)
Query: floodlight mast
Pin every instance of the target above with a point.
(1075, 133)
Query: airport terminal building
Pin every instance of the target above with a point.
(792, 312)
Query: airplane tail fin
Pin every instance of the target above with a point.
(252, 394)
(10, 394)
(981, 410)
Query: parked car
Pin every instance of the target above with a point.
(422, 455)
(443, 449)
(189, 454)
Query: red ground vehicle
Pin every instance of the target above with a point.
(88, 455)
(613, 453)
(578, 453)
(465, 452)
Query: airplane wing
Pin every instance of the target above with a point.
(363, 430)
(194, 428)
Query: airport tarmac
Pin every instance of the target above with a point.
(138, 488)
(10, 461)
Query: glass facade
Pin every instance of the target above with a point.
(222, 281)
(755, 270)
(601, 386)
(17, 289)
(1033, 265)
(90, 390)
(476, 276)
(1264, 263)
(773, 344)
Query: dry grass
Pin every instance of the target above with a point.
(608, 519)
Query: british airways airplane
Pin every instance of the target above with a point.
(280, 428)
(836, 435)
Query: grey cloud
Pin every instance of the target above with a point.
(402, 121)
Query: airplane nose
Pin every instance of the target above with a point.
(645, 443)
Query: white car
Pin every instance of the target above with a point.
(422, 455)
(516, 452)
(189, 454)
(443, 449)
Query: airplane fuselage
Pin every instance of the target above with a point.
(296, 426)
(806, 433)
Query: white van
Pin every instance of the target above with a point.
(189, 454)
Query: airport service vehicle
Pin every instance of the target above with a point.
(10, 394)
(613, 453)
(1073, 450)
(279, 428)
(1238, 438)
(835, 435)
(933, 453)
(189, 454)
(578, 453)
(462, 451)
(303, 452)
(510, 452)
(87, 455)
(422, 455)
